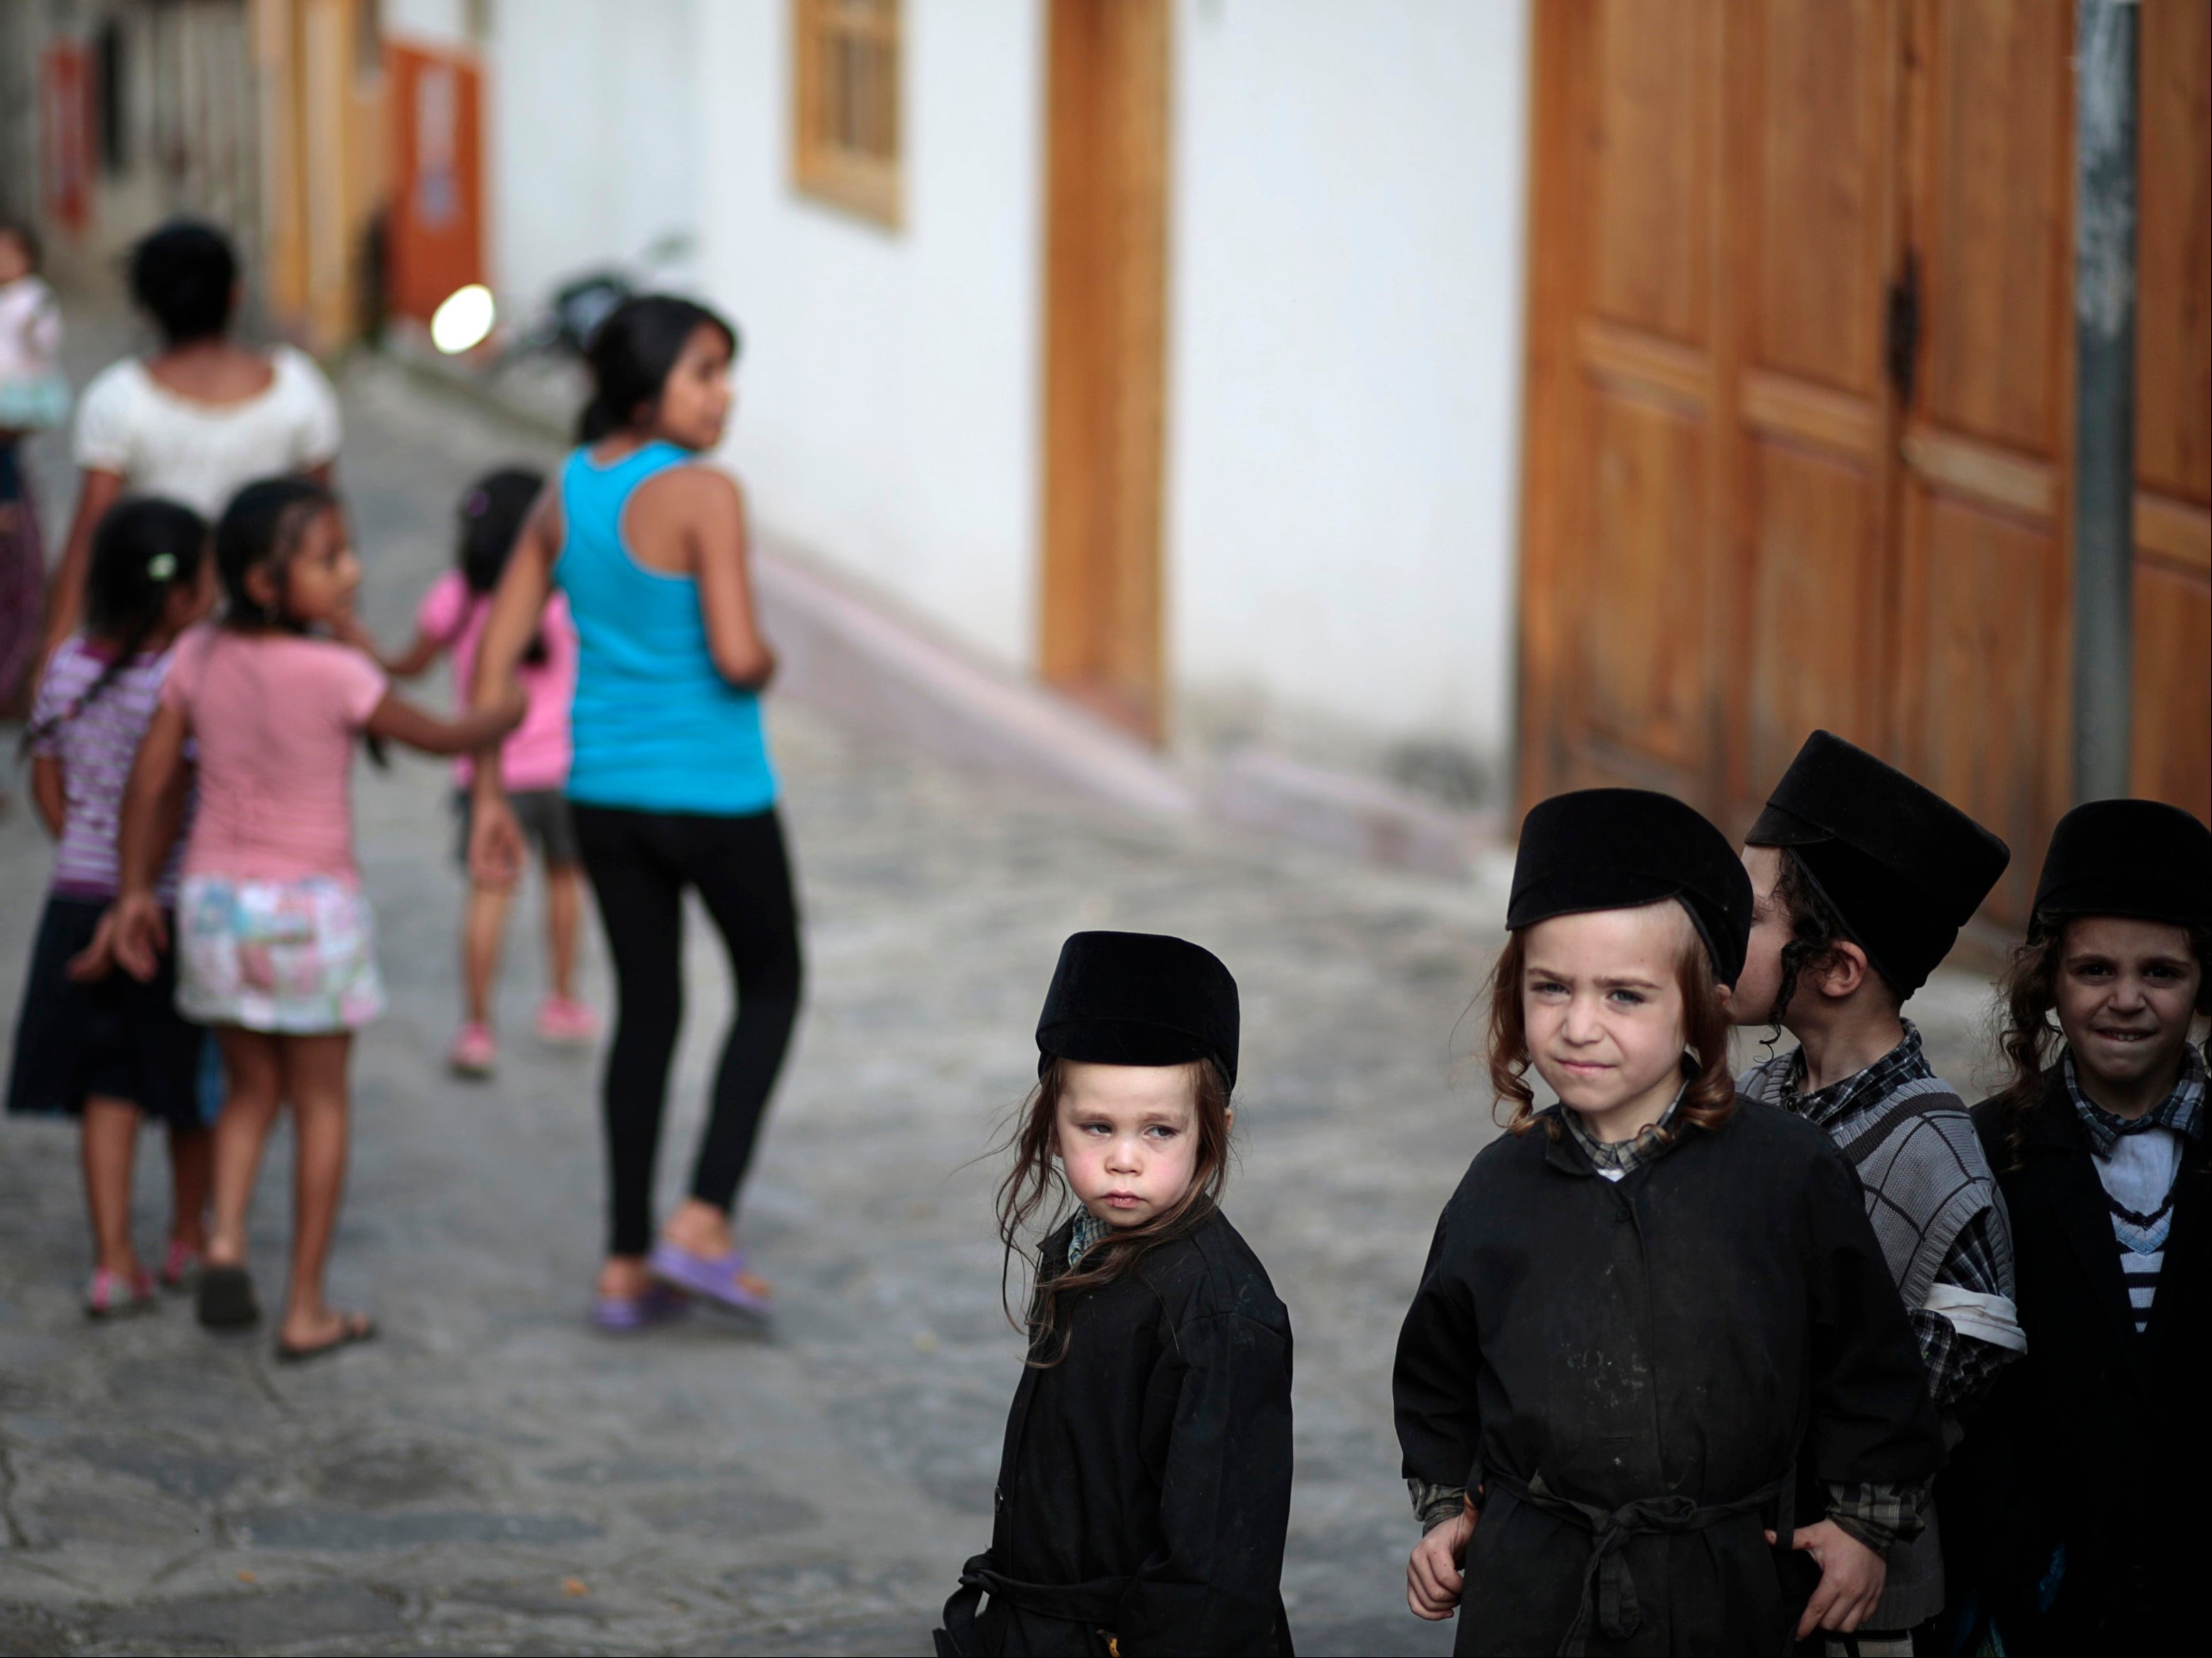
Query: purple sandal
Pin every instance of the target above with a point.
(719, 1281)
(659, 1303)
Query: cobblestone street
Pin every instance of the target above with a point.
(490, 1475)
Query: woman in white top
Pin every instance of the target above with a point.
(198, 419)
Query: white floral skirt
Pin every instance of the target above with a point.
(289, 957)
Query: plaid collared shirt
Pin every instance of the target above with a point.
(1649, 1145)
(1878, 1515)
(1086, 1232)
(1959, 1367)
(2182, 1111)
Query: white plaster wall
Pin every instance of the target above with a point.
(1345, 362)
(594, 136)
(432, 22)
(889, 397)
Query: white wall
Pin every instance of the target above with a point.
(888, 397)
(1345, 363)
(432, 22)
(594, 136)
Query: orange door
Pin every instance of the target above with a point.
(1105, 333)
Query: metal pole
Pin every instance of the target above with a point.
(2104, 393)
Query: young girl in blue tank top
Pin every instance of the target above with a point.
(671, 784)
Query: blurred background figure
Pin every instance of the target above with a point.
(533, 765)
(33, 397)
(201, 416)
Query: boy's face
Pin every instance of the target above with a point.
(2126, 992)
(15, 258)
(1760, 982)
(1602, 1004)
(1129, 1138)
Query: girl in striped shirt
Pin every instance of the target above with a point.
(94, 1042)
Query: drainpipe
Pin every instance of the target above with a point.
(2104, 393)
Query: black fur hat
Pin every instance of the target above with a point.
(1902, 867)
(2139, 858)
(1623, 848)
(1139, 998)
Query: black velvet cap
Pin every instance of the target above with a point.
(1139, 998)
(1623, 848)
(2139, 858)
(1902, 867)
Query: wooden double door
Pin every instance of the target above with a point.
(1800, 401)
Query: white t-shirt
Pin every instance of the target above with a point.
(202, 453)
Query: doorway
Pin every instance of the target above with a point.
(1105, 355)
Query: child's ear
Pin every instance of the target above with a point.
(261, 586)
(1844, 971)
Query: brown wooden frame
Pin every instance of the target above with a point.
(847, 137)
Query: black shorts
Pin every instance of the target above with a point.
(116, 1038)
(545, 816)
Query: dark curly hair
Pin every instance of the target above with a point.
(1815, 930)
(1708, 1100)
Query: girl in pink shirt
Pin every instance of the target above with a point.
(275, 943)
(533, 762)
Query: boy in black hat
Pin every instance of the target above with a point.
(1144, 1490)
(1654, 1355)
(1861, 879)
(2092, 1466)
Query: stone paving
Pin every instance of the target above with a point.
(492, 1476)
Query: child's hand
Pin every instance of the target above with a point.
(1433, 1578)
(97, 959)
(495, 846)
(1851, 1578)
(142, 933)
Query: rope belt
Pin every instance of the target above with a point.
(1096, 1603)
(1609, 1598)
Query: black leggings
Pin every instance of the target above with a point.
(639, 863)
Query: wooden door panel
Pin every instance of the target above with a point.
(1824, 144)
(1984, 687)
(2173, 253)
(1651, 109)
(1645, 569)
(2171, 754)
(1815, 607)
(1105, 354)
(1985, 722)
(1812, 407)
(1995, 218)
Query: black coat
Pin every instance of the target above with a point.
(1717, 1330)
(2099, 1438)
(1149, 1472)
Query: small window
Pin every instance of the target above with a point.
(846, 104)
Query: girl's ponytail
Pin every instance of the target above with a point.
(145, 549)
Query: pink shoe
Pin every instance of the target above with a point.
(181, 1263)
(475, 1052)
(569, 1024)
(112, 1293)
